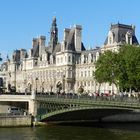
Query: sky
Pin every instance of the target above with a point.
(22, 20)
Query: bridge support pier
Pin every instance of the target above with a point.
(33, 107)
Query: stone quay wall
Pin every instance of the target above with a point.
(15, 121)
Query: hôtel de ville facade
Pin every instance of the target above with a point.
(62, 66)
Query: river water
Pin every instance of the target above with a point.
(74, 132)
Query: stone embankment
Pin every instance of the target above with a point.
(16, 121)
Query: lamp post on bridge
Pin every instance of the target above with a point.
(63, 80)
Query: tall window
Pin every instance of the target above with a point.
(58, 60)
(89, 73)
(77, 73)
(129, 39)
(69, 59)
(61, 59)
(85, 83)
(85, 74)
(72, 59)
(81, 74)
(46, 74)
(78, 84)
(89, 83)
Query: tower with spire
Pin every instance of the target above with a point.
(54, 33)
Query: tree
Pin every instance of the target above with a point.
(107, 68)
(121, 69)
(129, 67)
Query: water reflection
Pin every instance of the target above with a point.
(77, 132)
(17, 134)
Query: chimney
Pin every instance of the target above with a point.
(34, 42)
(23, 53)
(42, 40)
(66, 33)
(78, 37)
(133, 27)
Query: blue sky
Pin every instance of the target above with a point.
(21, 20)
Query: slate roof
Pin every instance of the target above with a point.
(119, 31)
(92, 52)
(35, 51)
(56, 49)
(70, 45)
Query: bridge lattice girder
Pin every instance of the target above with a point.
(51, 107)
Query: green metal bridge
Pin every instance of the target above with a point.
(73, 108)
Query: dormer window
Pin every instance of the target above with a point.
(110, 40)
(111, 36)
(129, 38)
(97, 56)
(69, 59)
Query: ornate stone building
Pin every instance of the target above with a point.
(118, 35)
(62, 66)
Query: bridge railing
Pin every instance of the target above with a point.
(102, 98)
(15, 93)
(70, 102)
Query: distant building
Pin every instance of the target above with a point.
(62, 66)
(3, 75)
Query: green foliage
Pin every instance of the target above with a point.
(107, 68)
(121, 69)
(130, 61)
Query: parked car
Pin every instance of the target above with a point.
(14, 110)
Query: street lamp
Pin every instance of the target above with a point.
(63, 83)
(36, 83)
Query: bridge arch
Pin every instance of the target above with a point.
(78, 114)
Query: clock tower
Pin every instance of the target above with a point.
(54, 33)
